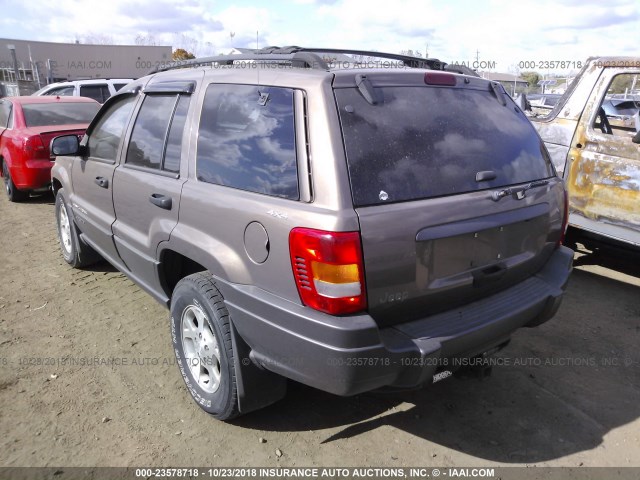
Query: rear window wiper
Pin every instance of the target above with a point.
(518, 192)
(498, 91)
(367, 90)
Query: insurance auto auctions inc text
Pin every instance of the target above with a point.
(372, 472)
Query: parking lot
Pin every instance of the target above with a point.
(87, 378)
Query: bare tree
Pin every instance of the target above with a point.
(148, 39)
(96, 39)
(186, 42)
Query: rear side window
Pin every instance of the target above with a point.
(156, 139)
(246, 139)
(422, 142)
(45, 114)
(100, 93)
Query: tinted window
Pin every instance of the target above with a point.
(149, 140)
(150, 131)
(174, 143)
(422, 142)
(41, 114)
(100, 93)
(105, 136)
(247, 139)
(118, 86)
(61, 92)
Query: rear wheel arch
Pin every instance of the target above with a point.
(173, 267)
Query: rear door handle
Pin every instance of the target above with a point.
(102, 182)
(161, 201)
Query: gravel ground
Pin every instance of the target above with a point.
(88, 378)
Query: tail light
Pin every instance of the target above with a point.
(34, 147)
(565, 219)
(328, 270)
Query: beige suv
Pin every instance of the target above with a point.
(375, 224)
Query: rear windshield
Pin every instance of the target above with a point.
(45, 114)
(423, 142)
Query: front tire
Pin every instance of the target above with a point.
(13, 193)
(201, 336)
(74, 251)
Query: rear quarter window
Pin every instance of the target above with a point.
(422, 142)
(246, 139)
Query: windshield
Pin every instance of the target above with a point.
(422, 142)
(45, 114)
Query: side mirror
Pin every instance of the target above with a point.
(65, 145)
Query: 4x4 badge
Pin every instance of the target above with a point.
(276, 214)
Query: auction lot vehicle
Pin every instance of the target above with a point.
(27, 125)
(349, 228)
(100, 89)
(593, 137)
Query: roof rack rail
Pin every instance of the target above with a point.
(409, 61)
(301, 57)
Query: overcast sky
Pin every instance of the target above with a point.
(500, 33)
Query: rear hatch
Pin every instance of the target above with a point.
(441, 170)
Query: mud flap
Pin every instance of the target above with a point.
(257, 387)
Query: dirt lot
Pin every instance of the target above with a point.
(566, 394)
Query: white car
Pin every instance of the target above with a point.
(99, 89)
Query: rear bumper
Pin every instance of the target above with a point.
(350, 355)
(32, 174)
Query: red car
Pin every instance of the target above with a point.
(27, 126)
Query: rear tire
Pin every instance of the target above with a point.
(201, 336)
(74, 251)
(13, 193)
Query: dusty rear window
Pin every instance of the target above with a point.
(422, 142)
(45, 114)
